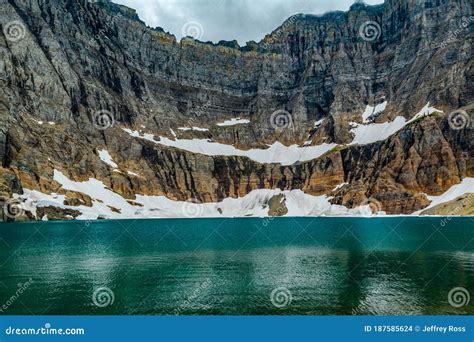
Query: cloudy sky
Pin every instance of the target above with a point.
(216, 20)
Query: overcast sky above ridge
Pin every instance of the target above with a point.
(216, 20)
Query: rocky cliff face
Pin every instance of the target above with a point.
(75, 74)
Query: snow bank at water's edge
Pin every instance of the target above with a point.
(110, 205)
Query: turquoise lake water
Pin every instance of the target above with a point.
(248, 266)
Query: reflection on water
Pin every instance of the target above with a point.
(390, 266)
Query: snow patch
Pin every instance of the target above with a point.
(340, 186)
(199, 129)
(105, 156)
(425, 111)
(134, 174)
(35, 199)
(233, 122)
(275, 153)
(254, 204)
(465, 187)
(39, 122)
(102, 198)
(367, 134)
(373, 111)
(318, 123)
(370, 133)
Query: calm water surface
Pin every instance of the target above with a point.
(296, 266)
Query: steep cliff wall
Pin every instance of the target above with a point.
(70, 63)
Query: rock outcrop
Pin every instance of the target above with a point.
(75, 73)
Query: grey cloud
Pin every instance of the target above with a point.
(215, 20)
